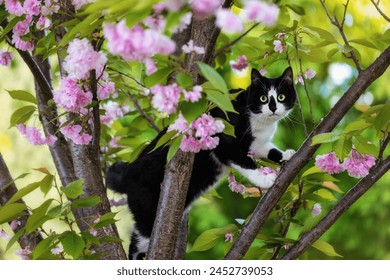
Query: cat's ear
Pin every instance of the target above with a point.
(255, 75)
(288, 75)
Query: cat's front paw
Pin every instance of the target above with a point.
(268, 181)
(287, 155)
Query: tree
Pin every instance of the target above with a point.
(117, 62)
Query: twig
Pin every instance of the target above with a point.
(340, 27)
(380, 11)
(305, 153)
(384, 142)
(343, 205)
(227, 46)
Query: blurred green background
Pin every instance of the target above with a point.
(362, 233)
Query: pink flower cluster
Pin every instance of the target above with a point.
(5, 57)
(240, 64)
(229, 22)
(113, 111)
(74, 133)
(34, 136)
(357, 165)
(317, 209)
(199, 134)
(205, 8)
(259, 11)
(40, 10)
(72, 97)
(166, 98)
(82, 58)
(235, 186)
(137, 43)
(79, 4)
(308, 75)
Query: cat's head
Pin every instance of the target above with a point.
(271, 98)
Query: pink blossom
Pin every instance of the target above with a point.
(50, 7)
(194, 95)
(32, 7)
(166, 98)
(6, 57)
(5, 235)
(181, 125)
(43, 23)
(234, 185)
(57, 250)
(150, 66)
(329, 163)
(190, 144)
(22, 45)
(251, 154)
(310, 74)
(104, 89)
(24, 253)
(113, 111)
(358, 165)
(185, 21)
(206, 125)
(136, 44)
(169, 5)
(23, 27)
(208, 142)
(191, 48)
(14, 7)
(71, 97)
(156, 22)
(240, 64)
(267, 171)
(34, 136)
(262, 12)
(93, 232)
(299, 79)
(263, 71)
(79, 4)
(279, 47)
(114, 142)
(15, 224)
(205, 8)
(317, 209)
(73, 132)
(229, 237)
(82, 58)
(229, 22)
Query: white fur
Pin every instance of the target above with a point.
(142, 245)
(255, 177)
(288, 154)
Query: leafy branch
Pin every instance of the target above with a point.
(376, 4)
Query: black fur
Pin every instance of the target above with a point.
(141, 179)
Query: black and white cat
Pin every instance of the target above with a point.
(259, 108)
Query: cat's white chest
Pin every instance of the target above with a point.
(262, 133)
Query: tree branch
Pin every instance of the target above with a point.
(304, 154)
(380, 11)
(307, 239)
(29, 240)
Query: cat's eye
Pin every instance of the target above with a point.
(281, 97)
(263, 98)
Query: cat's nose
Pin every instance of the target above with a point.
(272, 104)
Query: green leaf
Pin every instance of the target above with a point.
(213, 77)
(73, 244)
(342, 147)
(74, 189)
(332, 52)
(325, 248)
(297, 9)
(22, 115)
(229, 129)
(184, 80)
(364, 42)
(364, 147)
(312, 170)
(22, 95)
(86, 202)
(158, 77)
(15, 238)
(11, 211)
(24, 191)
(221, 100)
(44, 246)
(382, 120)
(46, 183)
(106, 219)
(324, 34)
(206, 240)
(191, 111)
(174, 147)
(38, 216)
(325, 138)
(165, 139)
(357, 126)
(9, 27)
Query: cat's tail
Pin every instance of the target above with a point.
(115, 177)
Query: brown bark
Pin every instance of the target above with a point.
(32, 239)
(305, 153)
